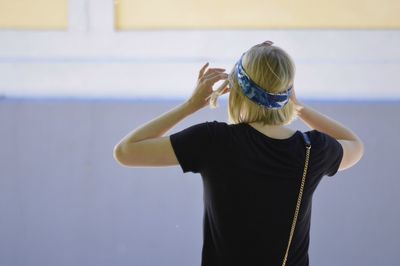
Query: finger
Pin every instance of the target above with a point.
(207, 76)
(217, 77)
(222, 87)
(210, 76)
(201, 72)
(217, 69)
(213, 70)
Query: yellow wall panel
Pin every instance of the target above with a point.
(34, 14)
(233, 14)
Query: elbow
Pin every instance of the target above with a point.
(358, 151)
(353, 151)
(362, 150)
(118, 155)
(358, 148)
(360, 145)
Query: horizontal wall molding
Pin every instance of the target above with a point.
(178, 79)
(333, 64)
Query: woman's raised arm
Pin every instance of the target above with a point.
(353, 147)
(147, 145)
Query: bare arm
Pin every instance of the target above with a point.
(147, 145)
(353, 147)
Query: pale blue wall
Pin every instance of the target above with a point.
(65, 201)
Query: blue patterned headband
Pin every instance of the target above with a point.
(259, 95)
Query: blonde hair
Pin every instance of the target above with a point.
(272, 69)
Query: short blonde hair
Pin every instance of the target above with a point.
(272, 69)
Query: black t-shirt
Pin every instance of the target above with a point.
(251, 184)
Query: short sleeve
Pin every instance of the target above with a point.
(334, 152)
(326, 151)
(192, 147)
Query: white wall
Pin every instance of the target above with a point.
(91, 59)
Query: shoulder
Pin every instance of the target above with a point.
(210, 127)
(216, 124)
(196, 146)
(206, 129)
(321, 139)
(325, 144)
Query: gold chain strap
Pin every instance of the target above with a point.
(296, 212)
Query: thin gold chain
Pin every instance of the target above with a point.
(296, 212)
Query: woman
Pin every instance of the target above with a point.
(251, 168)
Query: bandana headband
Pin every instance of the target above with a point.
(259, 95)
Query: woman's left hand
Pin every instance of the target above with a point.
(205, 82)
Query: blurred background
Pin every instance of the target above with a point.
(78, 75)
